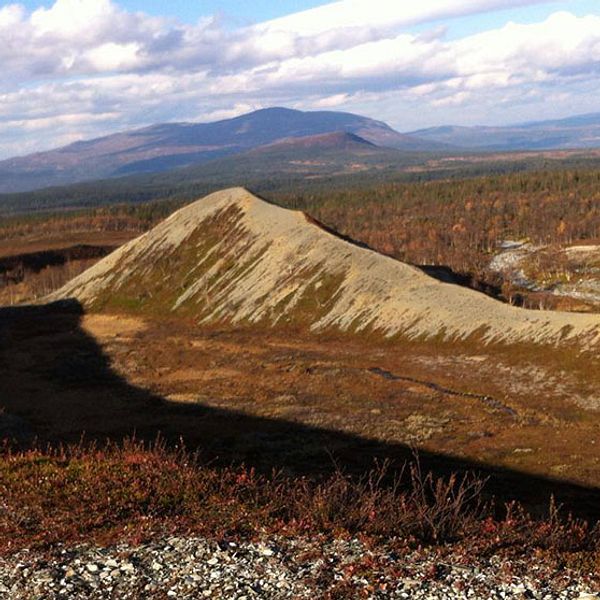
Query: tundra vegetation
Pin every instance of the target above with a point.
(129, 489)
(132, 491)
(456, 224)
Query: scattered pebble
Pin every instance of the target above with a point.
(192, 567)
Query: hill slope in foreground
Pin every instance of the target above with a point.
(234, 258)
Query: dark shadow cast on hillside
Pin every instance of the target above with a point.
(55, 377)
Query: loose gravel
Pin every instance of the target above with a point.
(191, 567)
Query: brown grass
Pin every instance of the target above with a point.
(87, 493)
(37, 285)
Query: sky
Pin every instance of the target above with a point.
(78, 69)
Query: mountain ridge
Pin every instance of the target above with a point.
(569, 133)
(336, 139)
(166, 146)
(234, 258)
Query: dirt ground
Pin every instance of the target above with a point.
(32, 267)
(476, 406)
(301, 402)
(29, 244)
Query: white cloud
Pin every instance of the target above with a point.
(113, 57)
(383, 13)
(87, 67)
(229, 113)
(10, 16)
(331, 101)
(73, 18)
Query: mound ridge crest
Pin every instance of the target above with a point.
(234, 258)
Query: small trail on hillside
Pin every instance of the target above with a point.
(492, 403)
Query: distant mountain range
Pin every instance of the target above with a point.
(572, 133)
(302, 141)
(162, 147)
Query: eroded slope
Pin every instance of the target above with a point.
(232, 257)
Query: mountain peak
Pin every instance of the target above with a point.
(273, 110)
(170, 145)
(339, 140)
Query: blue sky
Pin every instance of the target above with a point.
(76, 69)
(255, 11)
(189, 11)
(464, 26)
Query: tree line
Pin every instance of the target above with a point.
(454, 222)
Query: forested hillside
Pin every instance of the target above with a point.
(294, 168)
(459, 223)
(454, 223)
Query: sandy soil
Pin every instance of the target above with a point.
(232, 257)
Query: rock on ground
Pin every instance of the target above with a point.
(192, 567)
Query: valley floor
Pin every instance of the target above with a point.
(304, 403)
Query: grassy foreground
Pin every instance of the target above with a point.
(131, 492)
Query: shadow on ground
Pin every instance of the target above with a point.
(56, 384)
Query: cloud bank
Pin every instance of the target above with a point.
(82, 68)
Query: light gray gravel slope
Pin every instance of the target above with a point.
(191, 567)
